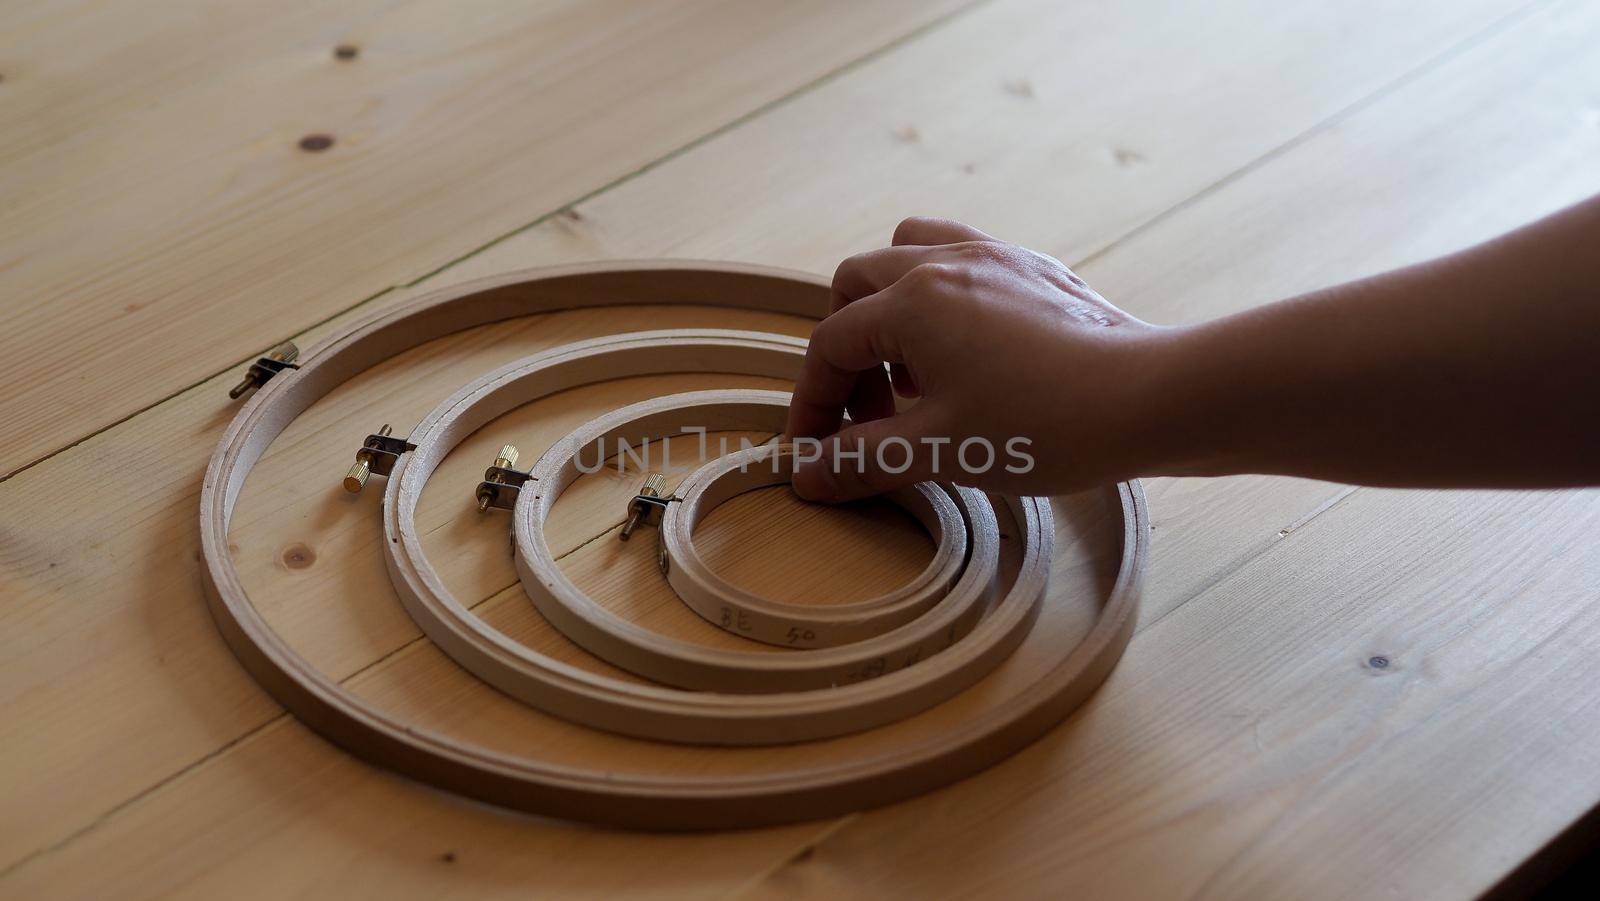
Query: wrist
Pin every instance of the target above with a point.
(1150, 421)
(1200, 402)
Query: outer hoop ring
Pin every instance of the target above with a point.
(748, 615)
(347, 720)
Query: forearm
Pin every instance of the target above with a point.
(1479, 369)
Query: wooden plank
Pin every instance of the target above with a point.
(1095, 119)
(355, 829)
(1315, 725)
(1249, 745)
(162, 220)
(182, 430)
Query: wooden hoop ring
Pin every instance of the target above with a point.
(748, 615)
(688, 665)
(349, 721)
(871, 688)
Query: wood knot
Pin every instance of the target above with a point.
(298, 556)
(346, 52)
(316, 143)
(1020, 87)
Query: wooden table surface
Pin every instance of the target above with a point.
(185, 184)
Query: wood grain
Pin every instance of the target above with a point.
(1102, 115)
(165, 220)
(154, 721)
(1496, 132)
(1415, 660)
(1435, 701)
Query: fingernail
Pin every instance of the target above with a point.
(813, 482)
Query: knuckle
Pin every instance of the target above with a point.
(986, 252)
(844, 273)
(823, 335)
(1054, 269)
(998, 253)
(841, 271)
(913, 227)
(935, 282)
(932, 277)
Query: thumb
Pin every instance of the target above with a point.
(867, 458)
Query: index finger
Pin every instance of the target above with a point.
(847, 343)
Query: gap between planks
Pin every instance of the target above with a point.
(1395, 85)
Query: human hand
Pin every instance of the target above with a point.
(1026, 380)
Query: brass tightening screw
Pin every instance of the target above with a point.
(653, 486)
(506, 460)
(286, 352)
(356, 478)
